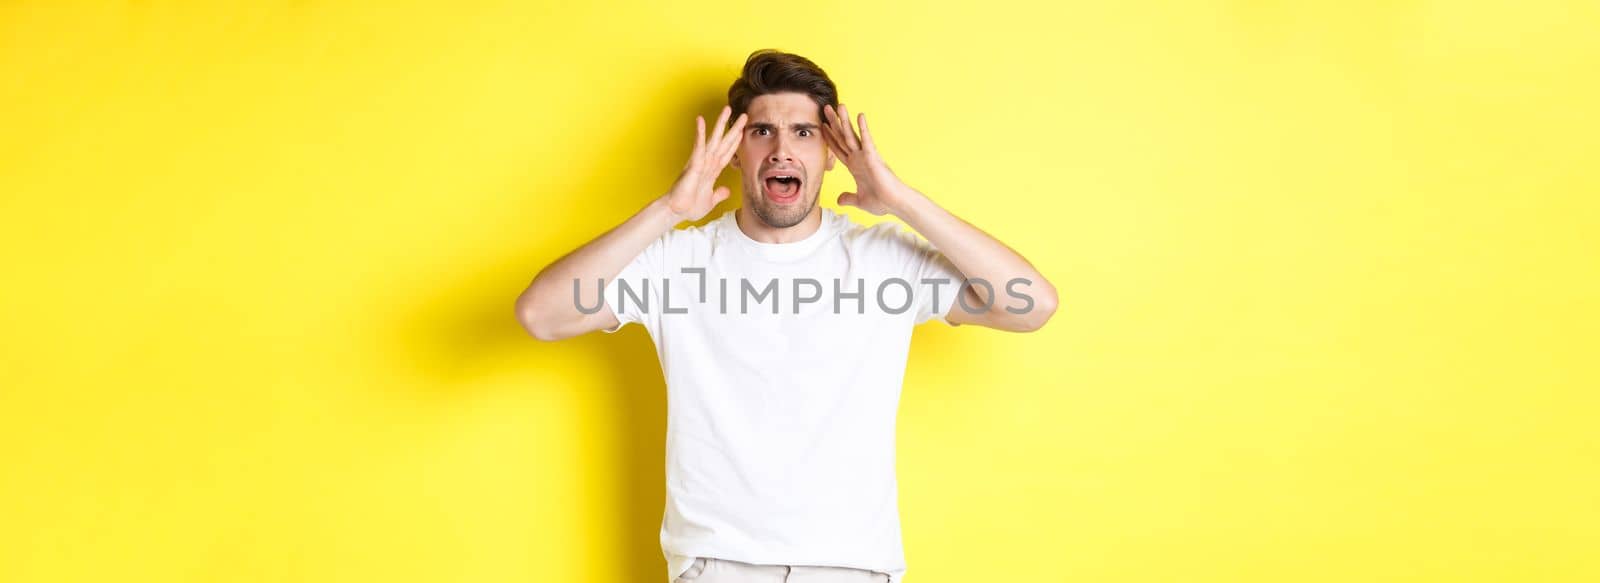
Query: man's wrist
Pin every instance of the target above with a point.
(907, 201)
(660, 215)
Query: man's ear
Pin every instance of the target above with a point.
(829, 165)
(735, 161)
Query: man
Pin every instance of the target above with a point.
(782, 396)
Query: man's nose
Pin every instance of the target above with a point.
(781, 153)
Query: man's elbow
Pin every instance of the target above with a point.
(532, 322)
(1044, 306)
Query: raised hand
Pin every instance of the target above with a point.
(878, 190)
(693, 195)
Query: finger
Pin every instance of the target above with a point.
(832, 142)
(722, 124)
(719, 195)
(835, 128)
(847, 199)
(836, 140)
(729, 147)
(699, 135)
(849, 132)
(730, 142)
(866, 136)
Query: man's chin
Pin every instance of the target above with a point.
(782, 216)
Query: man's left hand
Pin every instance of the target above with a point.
(878, 190)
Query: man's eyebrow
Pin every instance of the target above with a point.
(762, 125)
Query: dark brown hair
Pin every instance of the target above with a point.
(769, 71)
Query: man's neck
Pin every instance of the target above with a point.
(759, 230)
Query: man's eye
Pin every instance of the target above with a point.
(805, 133)
(761, 131)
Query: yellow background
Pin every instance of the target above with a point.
(1328, 272)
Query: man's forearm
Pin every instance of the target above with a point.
(546, 308)
(980, 256)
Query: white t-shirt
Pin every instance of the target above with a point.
(780, 444)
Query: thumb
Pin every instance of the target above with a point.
(847, 199)
(719, 194)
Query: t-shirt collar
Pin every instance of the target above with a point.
(780, 251)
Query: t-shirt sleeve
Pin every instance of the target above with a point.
(631, 295)
(935, 279)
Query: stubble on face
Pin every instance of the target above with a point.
(782, 216)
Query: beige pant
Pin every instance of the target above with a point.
(712, 570)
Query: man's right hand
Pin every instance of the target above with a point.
(695, 193)
(548, 308)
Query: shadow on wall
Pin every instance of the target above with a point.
(470, 327)
(467, 327)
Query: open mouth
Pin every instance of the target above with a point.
(782, 188)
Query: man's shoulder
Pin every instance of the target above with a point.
(691, 233)
(684, 244)
(888, 243)
(885, 235)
